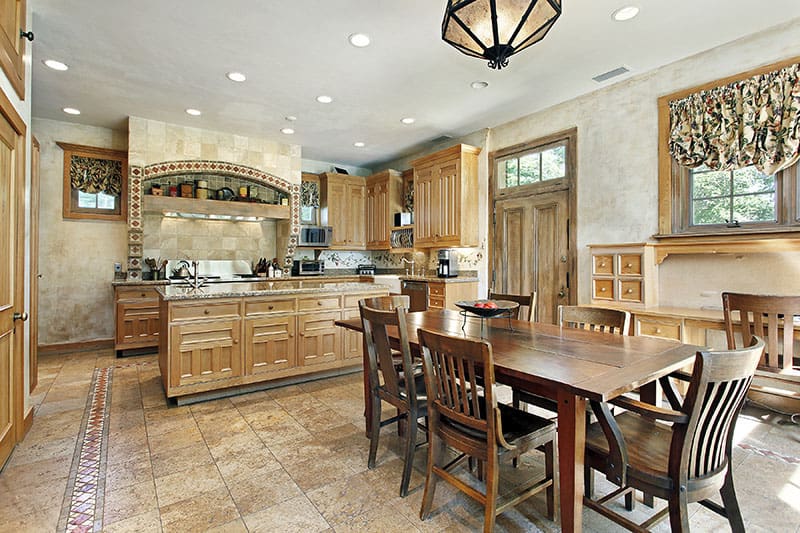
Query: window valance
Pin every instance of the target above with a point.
(755, 121)
(94, 176)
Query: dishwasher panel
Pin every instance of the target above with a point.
(417, 291)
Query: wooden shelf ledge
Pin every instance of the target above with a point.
(214, 209)
(704, 245)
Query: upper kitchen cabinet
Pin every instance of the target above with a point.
(13, 35)
(445, 186)
(384, 198)
(342, 202)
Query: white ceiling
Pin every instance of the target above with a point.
(155, 58)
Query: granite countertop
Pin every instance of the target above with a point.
(435, 279)
(263, 288)
(122, 283)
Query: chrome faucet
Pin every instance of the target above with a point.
(411, 262)
(195, 282)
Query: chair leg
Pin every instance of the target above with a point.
(678, 514)
(436, 451)
(515, 399)
(549, 470)
(728, 493)
(411, 444)
(492, 482)
(375, 430)
(588, 482)
(630, 500)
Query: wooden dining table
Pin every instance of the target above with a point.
(568, 365)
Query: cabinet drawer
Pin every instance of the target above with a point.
(205, 310)
(436, 289)
(435, 303)
(651, 327)
(141, 293)
(603, 264)
(265, 307)
(630, 264)
(630, 290)
(351, 300)
(603, 289)
(326, 302)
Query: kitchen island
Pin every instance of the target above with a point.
(236, 337)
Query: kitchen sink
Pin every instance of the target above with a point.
(391, 281)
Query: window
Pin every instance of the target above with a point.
(731, 197)
(95, 183)
(534, 166)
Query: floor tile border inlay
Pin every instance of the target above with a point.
(84, 494)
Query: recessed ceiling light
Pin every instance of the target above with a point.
(291, 118)
(324, 99)
(71, 111)
(194, 112)
(359, 144)
(287, 131)
(479, 84)
(359, 40)
(625, 13)
(408, 120)
(236, 76)
(55, 65)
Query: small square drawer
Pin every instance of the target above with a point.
(630, 290)
(666, 329)
(436, 289)
(630, 264)
(435, 303)
(603, 264)
(603, 289)
(330, 302)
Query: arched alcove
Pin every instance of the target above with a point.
(139, 177)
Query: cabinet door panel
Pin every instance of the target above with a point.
(357, 229)
(449, 189)
(137, 324)
(205, 352)
(353, 342)
(423, 206)
(320, 340)
(270, 344)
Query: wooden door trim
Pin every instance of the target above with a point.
(571, 185)
(33, 290)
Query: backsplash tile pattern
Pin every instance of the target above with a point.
(468, 258)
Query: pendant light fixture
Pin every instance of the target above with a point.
(497, 29)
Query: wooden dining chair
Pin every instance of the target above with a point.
(476, 425)
(681, 455)
(524, 300)
(400, 385)
(772, 319)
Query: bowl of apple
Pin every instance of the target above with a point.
(487, 308)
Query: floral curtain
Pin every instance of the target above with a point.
(309, 194)
(749, 122)
(93, 176)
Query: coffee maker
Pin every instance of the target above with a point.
(448, 264)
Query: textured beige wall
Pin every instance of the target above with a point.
(152, 141)
(76, 257)
(171, 238)
(618, 163)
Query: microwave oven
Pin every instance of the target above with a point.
(316, 236)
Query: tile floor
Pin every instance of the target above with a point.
(289, 459)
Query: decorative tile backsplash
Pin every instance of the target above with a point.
(468, 258)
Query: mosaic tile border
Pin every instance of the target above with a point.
(770, 454)
(86, 485)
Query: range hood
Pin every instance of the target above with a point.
(191, 208)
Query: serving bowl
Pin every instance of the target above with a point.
(503, 306)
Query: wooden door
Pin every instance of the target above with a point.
(531, 250)
(270, 344)
(424, 205)
(377, 215)
(354, 207)
(33, 350)
(320, 339)
(337, 211)
(12, 45)
(12, 284)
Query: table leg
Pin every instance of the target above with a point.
(650, 393)
(571, 443)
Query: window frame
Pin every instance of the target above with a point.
(565, 139)
(673, 204)
(70, 209)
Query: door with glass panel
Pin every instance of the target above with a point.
(532, 239)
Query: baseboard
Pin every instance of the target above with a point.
(83, 346)
(27, 422)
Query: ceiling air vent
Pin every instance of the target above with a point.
(619, 71)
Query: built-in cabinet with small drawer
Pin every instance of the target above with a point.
(137, 318)
(625, 273)
(445, 199)
(384, 199)
(219, 343)
(342, 202)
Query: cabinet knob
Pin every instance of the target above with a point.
(602, 289)
(235, 341)
(291, 335)
(628, 265)
(629, 291)
(206, 311)
(319, 303)
(658, 330)
(271, 307)
(302, 334)
(144, 295)
(602, 263)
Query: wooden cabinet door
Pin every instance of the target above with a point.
(448, 197)
(356, 229)
(205, 351)
(137, 324)
(270, 344)
(320, 340)
(12, 46)
(377, 215)
(425, 205)
(352, 341)
(337, 213)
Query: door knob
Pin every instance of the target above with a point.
(562, 293)
(21, 316)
